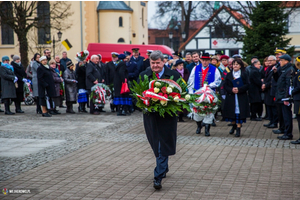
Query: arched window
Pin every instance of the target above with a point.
(7, 33)
(120, 40)
(43, 13)
(143, 17)
(120, 21)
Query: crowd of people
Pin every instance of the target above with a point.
(243, 89)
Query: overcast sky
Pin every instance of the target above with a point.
(151, 13)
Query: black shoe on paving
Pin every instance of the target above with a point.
(19, 111)
(46, 115)
(285, 137)
(296, 142)
(277, 131)
(157, 184)
(267, 125)
(9, 113)
(273, 126)
(62, 106)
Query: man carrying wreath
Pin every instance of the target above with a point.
(161, 131)
(204, 72)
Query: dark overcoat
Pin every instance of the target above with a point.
(120, 74)
(70, 85)
(229, 108)
(269, 98)
(283, 78)
(81, 76)
(110, 72)
(57, 81)
(20, 74)
(158, 129)
(139, 61)
(296, 92)
(7, 83)
(92, 74)
(133, 71)
(255, 85)
(46, 83)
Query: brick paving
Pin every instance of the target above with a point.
(119, 164)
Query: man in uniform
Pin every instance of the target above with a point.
(146, 62)
(110, 69)
(161, 131)
(279, 51)
(137, 58)
(283, 76)
(201, 73)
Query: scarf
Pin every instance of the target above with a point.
(236, 74)
(46, 66)
(181, 72)
(8, 66)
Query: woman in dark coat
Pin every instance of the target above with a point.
(57, 80)
(35, 89)
(122, 101)
(185, 74)
(46, 85)
(81, 85)
(70, 86)
(255, 91)
(21, 75)
(236, 101)
(8, 89)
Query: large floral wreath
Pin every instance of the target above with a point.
(162, 95)
(99, 93)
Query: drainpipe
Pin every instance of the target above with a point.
(81, 34)
(98, 21)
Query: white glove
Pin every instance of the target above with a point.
(223, 96)
(24, 80)
(16, 79)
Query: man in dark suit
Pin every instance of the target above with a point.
(161, 132)
(137, 58)
(110, 74)
(93, 77)
(196, 61)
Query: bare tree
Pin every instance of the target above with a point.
(185, 11)
(22, 16)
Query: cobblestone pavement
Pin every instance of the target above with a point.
(116, 161)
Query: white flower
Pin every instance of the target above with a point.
(163, 103)
(156, 90)
(215, 100)
(176, 99)
(169, 90)
(187, 97)
(215, 108)
(86, 52)
(154, 99)
(157, 84)
(171, 86)
(201, 107)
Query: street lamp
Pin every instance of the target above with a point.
(59, 34)
(170, 37)
(183, 35)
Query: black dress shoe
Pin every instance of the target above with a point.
(39, 112)
(273, 126)
(277, 131)
(157, 184)
(19, 111)
(267, 125)
(296, 142)
(57, 112)
(9, 113)
(62, 106)
(1, 110)
(46, 115)
(230, 124)
(51, 112)
(285, 137)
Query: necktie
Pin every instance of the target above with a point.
(157, 75)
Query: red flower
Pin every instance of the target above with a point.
(174, 94)
(151, 90)
(161, 94)
(214, 104)
(205, 107)
(165, 95)
(164, 89)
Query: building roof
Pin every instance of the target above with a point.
(113, 5)
(235, 14)
(291, 4)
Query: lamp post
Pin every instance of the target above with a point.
(183, 35)
(170, 37)
(59, 34)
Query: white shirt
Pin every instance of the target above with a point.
(191, 81)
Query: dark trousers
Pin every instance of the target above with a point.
(161, 165)
(280, 116)
(298, 120)
(272, 114)
(288, 119)
(256, 110)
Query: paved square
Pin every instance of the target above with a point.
(115, 161)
